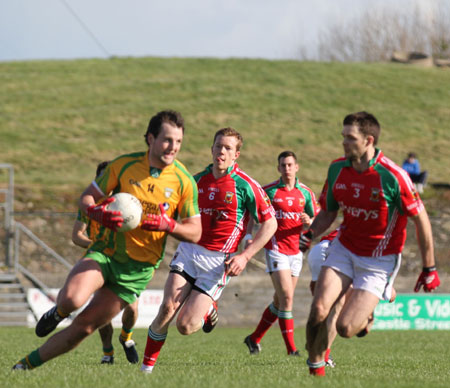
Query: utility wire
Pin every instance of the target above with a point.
(86, 28)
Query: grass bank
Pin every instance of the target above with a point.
(58, 119)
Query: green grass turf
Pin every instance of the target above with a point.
(58, 119)
(220, 359)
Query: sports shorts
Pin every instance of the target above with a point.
(126, 280)
(276, 261)
(205, 268)
(373, 274)
(316, 257)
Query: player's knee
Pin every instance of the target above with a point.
(344, 330)
(70, 302)
(285, 303)
(185, 328)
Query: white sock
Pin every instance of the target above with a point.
(147, 368)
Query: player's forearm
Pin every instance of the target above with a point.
(265, 232)
(322, 222)
(81, 240)
(425, 238)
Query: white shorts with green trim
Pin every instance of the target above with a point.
(276, 261)
(316, 257)
(205, 267)
(373, 274)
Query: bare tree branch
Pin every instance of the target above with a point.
(375, 35)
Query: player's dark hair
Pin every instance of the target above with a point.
(230, 132)
(286, 154)
(165, 116)
(412, 155)
(366, 123)
(100, 167)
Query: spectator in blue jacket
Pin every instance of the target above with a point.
(412, 167)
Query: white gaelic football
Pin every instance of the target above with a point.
(131, 210)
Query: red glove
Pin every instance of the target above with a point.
(306, 239)
(161, 222)
(429, 279)
(111, 219)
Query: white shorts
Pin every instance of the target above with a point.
(373, 274)
(276, 261)
(205, 267)
(316, 257)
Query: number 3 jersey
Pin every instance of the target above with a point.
(226, 205)
(289, 206)
(375, 205)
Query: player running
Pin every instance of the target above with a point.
(228, 197)
(83, 233)
(376, 196)
(295, 206)
(118, 266)
(316, 258)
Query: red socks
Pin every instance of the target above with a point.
(317, 371)
(287, 331)
(267, 320)
(154, 344)
(316, 368)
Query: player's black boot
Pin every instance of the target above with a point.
(253, 347)
(48, 322)
(130, 350)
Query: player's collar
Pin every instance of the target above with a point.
(372, 162)
(376, 157)
(156, 172)
(230, 169)
(282, 184)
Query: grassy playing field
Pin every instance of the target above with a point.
(220, 359)
(58, 119)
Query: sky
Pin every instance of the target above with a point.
(270, 29)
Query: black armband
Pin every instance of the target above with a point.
(429, 269)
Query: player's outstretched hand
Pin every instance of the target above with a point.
(429, 279)
(161, 222)
(306, 238)
(111, 219)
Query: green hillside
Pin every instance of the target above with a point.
(58, 119)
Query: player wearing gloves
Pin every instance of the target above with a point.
(375, 196)
(118, 266)
(227, 198)
(428, 279)
(83, 233)
(159, 221)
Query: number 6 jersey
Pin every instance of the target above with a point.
(225, 206)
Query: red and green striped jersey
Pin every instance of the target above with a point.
(226, 205)
(375, 205)
(289, 205)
